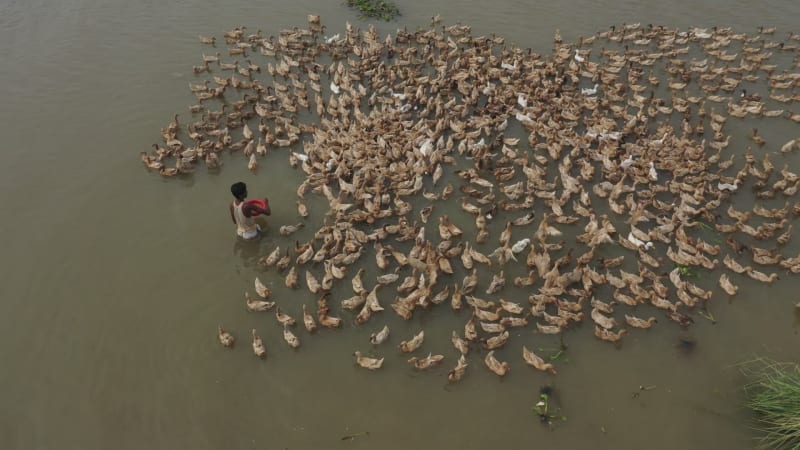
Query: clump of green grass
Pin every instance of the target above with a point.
(378, 9)
(774, 397)
(686, 271)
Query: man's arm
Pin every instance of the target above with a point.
(230, 208)
(250, 210)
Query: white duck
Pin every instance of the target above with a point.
(652, 173)
(507, 66)
(638, 242)
(379, 337)
(522, 100)
(590, 91)
(627, 162)
(728, 186)
(520, 245)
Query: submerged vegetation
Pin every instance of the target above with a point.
(377, 9)
(774, 396)
(545, 408)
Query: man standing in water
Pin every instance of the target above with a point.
(242, 213)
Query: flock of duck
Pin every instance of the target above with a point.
(628, 135)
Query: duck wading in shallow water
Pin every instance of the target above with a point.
(453, 163)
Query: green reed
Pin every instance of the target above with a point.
(774, 397)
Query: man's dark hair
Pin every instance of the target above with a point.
(239, 190)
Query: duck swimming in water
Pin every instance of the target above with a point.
(289, 337)
(426, 362)
(256, 305)
(367, 362)
(380, 337)
(263, 291)
(637, 322)
(308, 321)
(499, 368)
(536, 361)
(225, 338)
(413, 343)
(609, 336)
(258, 346)
(458, 371)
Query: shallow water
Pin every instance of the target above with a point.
(113, 280)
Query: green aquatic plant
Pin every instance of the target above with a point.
(774, 398)
(708, 229)
(556, 354)
(377, 9)
(706, 314)
(686, 271)
(706, 226)
(542, 408)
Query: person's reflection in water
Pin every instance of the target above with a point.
(249, 250)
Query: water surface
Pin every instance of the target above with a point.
(113, 280)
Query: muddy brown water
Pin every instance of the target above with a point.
(112, 280)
